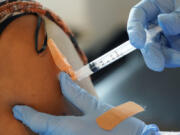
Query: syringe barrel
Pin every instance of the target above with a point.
(111, 56)
(120, 51)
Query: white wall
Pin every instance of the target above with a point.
(94, 19)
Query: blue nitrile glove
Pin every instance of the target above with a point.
(45, 124)
(163, 50)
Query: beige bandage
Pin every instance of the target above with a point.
(116, 115)
(60, 60)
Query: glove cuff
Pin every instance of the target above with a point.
(151, 130)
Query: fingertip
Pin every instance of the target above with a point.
(162, 20)
(63, 75)
(172, 57)
(169, 23)
(153, 57)
(16, 108)
(66, 84)
(137, 38)
(137, 34)
(17, 111)
(64, 78)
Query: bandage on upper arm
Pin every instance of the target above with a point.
(60, 60)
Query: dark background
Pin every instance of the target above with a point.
(128, 79)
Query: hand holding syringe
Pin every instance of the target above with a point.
(98, 63)
(112, 56)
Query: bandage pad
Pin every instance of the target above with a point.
(116, 115)
(60, 60)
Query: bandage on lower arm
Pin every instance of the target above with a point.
(116, 115)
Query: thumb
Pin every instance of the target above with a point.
(170, 23)
(78, 96)
(153, 56)
(38, 122)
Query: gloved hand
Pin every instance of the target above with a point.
(163, 50)
(45, 124)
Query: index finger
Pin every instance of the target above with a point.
(139, 17)
(36, 121)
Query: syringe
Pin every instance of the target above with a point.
(113, 55)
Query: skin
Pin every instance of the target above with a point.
(26, 77)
